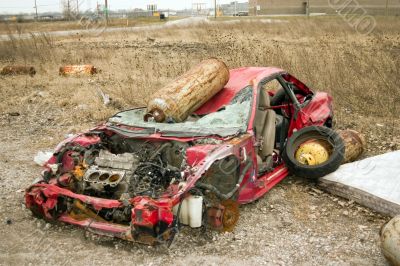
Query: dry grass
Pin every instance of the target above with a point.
(36, 47)
(361, 72)
(47, 26)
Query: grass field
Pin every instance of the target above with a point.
(361, 72)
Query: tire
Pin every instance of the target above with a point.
(314, 171)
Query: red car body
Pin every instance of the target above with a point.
(43, 197)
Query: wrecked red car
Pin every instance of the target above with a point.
(139, 181)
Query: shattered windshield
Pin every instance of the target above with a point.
(229, 120)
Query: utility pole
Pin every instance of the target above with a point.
(215, 9)
(77, 8)
(68, 10)
(106, 10)
(308, 8)
(36, 17)
(387, 8)
(235, 9)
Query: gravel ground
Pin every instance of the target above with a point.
(295, 223)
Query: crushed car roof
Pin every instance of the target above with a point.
(239, 79)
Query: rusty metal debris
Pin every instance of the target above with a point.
(81, 212)
(390, 241)
(14, 114)
(223, 216)
(71, 70)
(230, 215)
(186, 94)
(355, 144)
(214, 217)
(18, 70)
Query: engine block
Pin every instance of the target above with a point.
(110, 169)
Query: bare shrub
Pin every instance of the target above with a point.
(26, 47)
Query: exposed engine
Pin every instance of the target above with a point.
(134, 168)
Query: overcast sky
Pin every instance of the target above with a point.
(16, 6)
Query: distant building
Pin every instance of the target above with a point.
(373, 7)
(199, 9)
(234, 8)
(184, 12)
(46, 17)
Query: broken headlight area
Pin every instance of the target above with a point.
(128, 188)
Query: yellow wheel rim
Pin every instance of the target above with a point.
(313, 152)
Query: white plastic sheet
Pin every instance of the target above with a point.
(373, 182)
(42, 157)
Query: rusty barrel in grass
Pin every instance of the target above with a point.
(355, 144)
(72, 70)
(18, 70)
(180, 98)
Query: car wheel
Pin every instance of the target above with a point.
(313, 152)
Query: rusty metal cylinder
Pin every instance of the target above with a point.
(18, 70)
(390, 241)
(180, 98)
(355, 144)
(77, 70)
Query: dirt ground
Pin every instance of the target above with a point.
(295, 223)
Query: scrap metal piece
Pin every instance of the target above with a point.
(390, 241)
(214, 217)
(126, 161)
(79, 172)
(110, 170)
(187, 93)
(18, 70)
(77, 70)
(81, 212)
(355, 144)
(231, 215)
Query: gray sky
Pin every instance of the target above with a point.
(16, 6)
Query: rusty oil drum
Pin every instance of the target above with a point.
(177, 100)
(355, 144)
(77, 70)
(18, 70)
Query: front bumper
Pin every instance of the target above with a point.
(151, 221)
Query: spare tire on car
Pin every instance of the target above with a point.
(313, 152)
